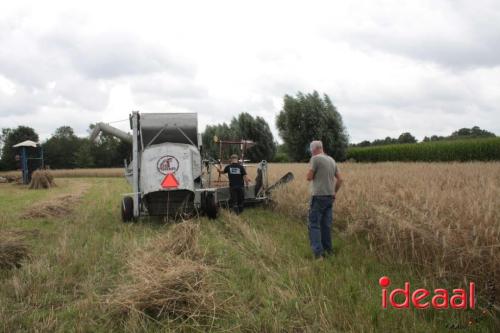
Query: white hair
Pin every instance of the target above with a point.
(316, 144)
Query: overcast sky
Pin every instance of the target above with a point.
(428, 67)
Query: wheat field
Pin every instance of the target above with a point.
(74, 173)
(441, 218)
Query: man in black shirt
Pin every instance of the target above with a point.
(237, 178)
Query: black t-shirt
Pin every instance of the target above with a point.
(235, 173)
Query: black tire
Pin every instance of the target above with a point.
(211, 208)
(127, 209)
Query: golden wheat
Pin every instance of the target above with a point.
(72, 173)
(441, 217)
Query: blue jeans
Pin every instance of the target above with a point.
(320, 224)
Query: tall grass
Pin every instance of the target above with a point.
(487, 149)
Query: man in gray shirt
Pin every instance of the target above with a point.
(326, 181)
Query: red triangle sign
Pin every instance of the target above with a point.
(170, 181)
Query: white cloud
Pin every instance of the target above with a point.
(428, 67)
(7, 87)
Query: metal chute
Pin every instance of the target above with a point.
(102, 127)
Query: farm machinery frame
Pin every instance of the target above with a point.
(167, 173)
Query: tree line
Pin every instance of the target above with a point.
(303, 118)
(64, 150)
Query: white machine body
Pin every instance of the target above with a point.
(181, 160)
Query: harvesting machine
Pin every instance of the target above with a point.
(166, 170)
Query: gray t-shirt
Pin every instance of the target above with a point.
(325, 169)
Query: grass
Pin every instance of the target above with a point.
(262, 272)
(14, 198)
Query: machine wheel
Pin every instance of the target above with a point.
(211, 208)
(127, 209)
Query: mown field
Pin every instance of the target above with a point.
(435, 225)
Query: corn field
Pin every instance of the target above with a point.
(457, 150)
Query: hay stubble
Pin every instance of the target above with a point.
(59, 206)
(13, 249)
(167, 277)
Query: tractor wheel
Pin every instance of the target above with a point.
(127, 209)
(211, 208)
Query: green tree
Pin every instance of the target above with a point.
(387, 141)
(281, 155)
(244, 126)
(308, 117)
(11, 137)
(364, 143)
(473, 132)
(437, 138)
(406, 138)
(221, 131)
(83, 155)
(61, 149)
(256, 129)
(3, 137)
(108, 151)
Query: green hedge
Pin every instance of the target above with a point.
(487, 149)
